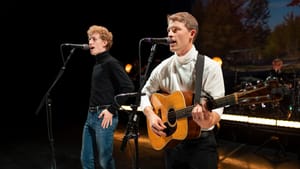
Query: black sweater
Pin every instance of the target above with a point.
(108, 80)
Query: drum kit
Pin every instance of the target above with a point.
(285, 104)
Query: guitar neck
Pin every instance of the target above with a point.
(228, 100)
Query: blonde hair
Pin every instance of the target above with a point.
(104, 33)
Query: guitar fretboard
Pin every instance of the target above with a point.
(221, 102)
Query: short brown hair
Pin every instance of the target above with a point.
(189, 21)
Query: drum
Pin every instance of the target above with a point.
(246, 86)
(282, 106)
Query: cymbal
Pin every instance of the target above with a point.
(250, 78)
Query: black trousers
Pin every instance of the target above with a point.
(198, 153)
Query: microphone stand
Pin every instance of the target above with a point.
(48, 101)
(132, 131)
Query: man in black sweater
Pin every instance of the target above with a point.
(108, 80)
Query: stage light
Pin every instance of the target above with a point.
(218, 59)
(128, 67)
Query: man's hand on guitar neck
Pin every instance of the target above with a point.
(157, 125)
(203, 117)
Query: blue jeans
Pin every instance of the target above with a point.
(97, 142)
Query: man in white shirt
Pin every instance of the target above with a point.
(178, 73)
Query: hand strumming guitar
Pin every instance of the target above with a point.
(155, 122)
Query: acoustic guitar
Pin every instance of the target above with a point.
(175, 111)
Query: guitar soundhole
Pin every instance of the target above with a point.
(172, 116)
(169, 130)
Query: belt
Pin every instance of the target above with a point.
(96, 108)
(205, 134)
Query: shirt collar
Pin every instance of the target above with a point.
(190, 55)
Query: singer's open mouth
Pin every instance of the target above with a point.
(173, 42)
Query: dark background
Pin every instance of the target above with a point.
(31, 36)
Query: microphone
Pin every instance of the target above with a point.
(130, 94)
(163, 41)
(80, 46)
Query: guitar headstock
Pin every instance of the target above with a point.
(270, 92)
(262, 94)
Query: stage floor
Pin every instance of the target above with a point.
(30, 148)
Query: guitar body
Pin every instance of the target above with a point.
(175, 110)
(177, 129)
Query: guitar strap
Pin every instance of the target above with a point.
(199, 72)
